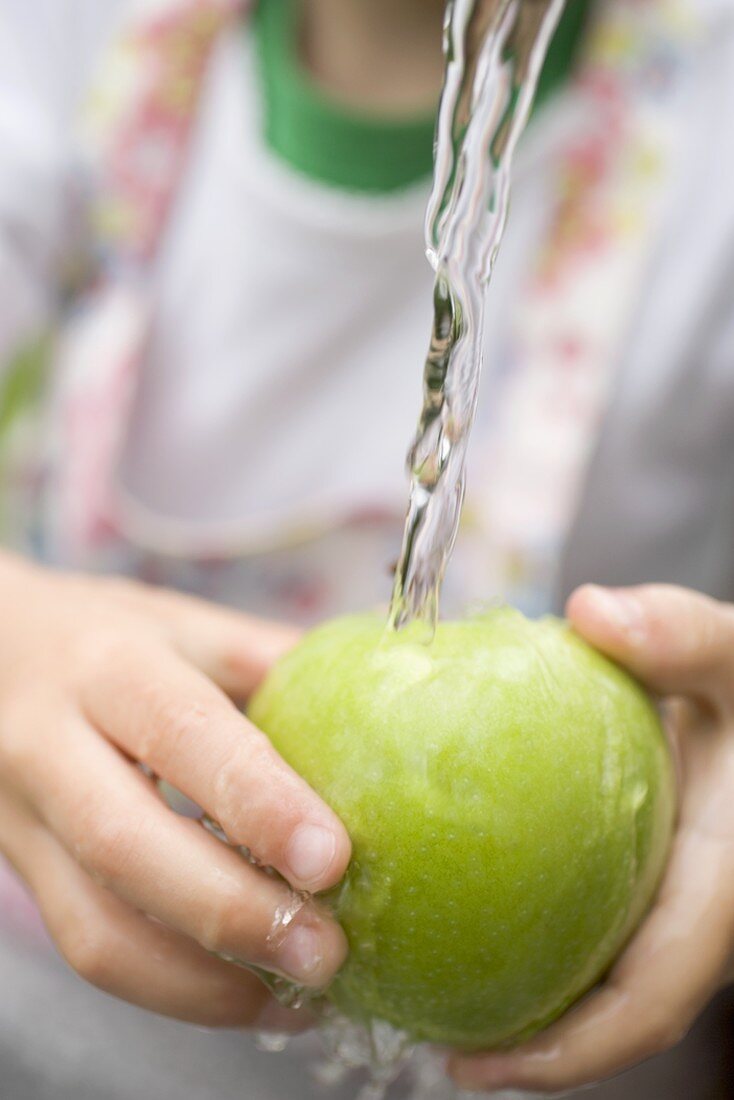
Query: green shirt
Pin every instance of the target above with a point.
(354, 150)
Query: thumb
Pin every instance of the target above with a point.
(676, 641)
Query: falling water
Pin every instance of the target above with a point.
(494, 56)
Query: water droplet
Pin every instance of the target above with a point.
(284, 916)
(272, 1042)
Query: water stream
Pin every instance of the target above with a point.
(494, 56)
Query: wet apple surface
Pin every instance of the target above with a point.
(510, 796)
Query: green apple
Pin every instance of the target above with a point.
(509, 794)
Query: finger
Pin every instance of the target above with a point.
(166, 714)
(123, 952)
(676, 641)
(658, 987)
(233, 649)
(103, 810)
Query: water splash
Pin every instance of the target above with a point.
(272, 1042)
(387, 1057)
(285, 991)
(376, 1047)
(494, 53)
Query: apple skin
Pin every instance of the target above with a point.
(510, 796)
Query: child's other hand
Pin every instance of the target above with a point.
(96, 676)
(681, 645)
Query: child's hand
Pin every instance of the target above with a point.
(682, 646)
(96, 675)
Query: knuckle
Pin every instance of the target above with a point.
(104, 846)
(229, 794)
(86, 947)
(100, 654)
(262, 755)
(109, 657)
(228, 815)
(136, 598)
(177, 725)
(255, 800)
(225, 928)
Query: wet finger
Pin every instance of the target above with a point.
(109, 819)
(120, 950)
(162, 711)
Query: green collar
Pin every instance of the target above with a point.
(317, 135)
(342, 147)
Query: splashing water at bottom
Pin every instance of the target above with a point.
(394, 1066)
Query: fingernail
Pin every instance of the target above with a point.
(300, 956)
(310, 853)
(619, 608)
